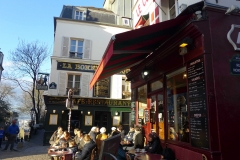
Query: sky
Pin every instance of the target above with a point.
(31, 20)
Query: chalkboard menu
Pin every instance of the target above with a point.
(197, 104)
(101, 88)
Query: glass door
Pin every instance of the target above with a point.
(157, 114)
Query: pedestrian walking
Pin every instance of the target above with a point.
(1, 136)
(12, 133)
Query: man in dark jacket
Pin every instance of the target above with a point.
(86, 152)
(154, 144)
(138, 138)
(12, 133)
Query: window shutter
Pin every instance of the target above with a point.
(62, 83)
(87, 49)
(65, 46)
(85, 85)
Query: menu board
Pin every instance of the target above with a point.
(197, 104)
(146, 115)
(101, 88)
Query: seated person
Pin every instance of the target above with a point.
(80, 142)
(173, 135)
(154, 144)
(87, 149)
(72, 146)
(56, 136)
(129, 136)
(63, 142)
(114, 131)
(93, 133)
(100, 137)
(121, 131)
(138, 139)
(121, 154)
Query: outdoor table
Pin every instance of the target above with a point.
(145, 155)
(63, 155)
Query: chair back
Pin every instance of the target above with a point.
(93, 153)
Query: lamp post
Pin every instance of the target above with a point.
(69, 105)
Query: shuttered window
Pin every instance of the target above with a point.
(76, 48)
(74, 83)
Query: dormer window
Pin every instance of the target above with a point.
(79, 15)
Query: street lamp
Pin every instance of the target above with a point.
(69, 105)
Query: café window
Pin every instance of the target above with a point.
(178, 120)
(142, 101)
(157, 85)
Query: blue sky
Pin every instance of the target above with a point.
(32, 20)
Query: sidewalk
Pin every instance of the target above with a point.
(33, 149)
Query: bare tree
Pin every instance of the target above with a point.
(6, 92)
(27, 59)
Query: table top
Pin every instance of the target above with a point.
(53, 153)
(145, 155)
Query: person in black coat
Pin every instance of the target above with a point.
(86, 152)
(154, 144)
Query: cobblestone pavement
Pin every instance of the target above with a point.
(32, 150)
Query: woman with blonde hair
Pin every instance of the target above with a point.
(100, 138)
(87, 149)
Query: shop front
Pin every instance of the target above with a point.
(186, 87)
(86, 113)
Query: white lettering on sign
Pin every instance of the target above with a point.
(238, 39)
(237, 65)
(141, 6)
(236, 70)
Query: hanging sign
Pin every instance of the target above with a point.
(235, 65)
(42, 81)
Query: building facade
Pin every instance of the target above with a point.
(184, 81)
(81, 35)
(1, 64)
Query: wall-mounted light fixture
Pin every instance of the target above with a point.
(62, 111)
(81, 112)
(145, 73)
(116, 113)
(45, 111)
(88, 112)
(185, 42)
(54, 111)
(184, 75)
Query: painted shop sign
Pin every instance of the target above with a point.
(235, 65)
(53, 85)
(102, 88)
(76, 67)
(88, 101)
(82, 67)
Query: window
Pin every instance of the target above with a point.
(157, 85)
(126, 89)
(125, 21)
(142, 100)
(79, 15)
(172, 13)
(74, 83)
(178, 121)
(76, 49)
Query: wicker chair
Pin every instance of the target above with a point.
(94, 151)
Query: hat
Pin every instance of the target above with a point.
(113, 128)
(103, 130)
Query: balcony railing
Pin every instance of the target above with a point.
(75, 55)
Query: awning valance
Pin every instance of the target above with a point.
(130, 48)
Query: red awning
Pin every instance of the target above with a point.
(130, 48)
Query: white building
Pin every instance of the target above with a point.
(81, 36)
(78, 49)
(148, 12)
